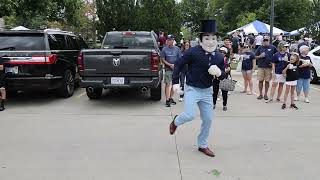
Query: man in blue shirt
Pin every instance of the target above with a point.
(204, 63)
(264, 56)
(169, 55)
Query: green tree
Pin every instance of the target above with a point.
(291, 14)
(116, 15)
(193, 11)
(38, 14)
(7, 7)
(159, 15)
(313, 25)
(246, 18)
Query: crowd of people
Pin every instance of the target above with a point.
(278, 63)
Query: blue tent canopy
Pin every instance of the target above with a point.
(256, 27)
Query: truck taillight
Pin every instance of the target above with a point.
(34, 59)
(154, 61)
(80, 62)
(52, 59)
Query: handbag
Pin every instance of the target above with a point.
(227, 84)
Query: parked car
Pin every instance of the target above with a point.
(125, 60)
(314, 54)
(41, 60)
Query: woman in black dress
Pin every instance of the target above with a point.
(216, 82)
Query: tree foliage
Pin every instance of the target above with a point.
(38, 14)
(147, 15)
(193, 11)
(313, 26)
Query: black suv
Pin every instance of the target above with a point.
(41, 60)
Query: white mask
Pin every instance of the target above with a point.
(209, 43)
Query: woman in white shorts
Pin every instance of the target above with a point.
(292, 75)
(279, 63)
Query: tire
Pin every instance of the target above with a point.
(314, 76)
(95, 94)
(156, 93)
(67, 88)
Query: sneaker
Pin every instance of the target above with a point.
(218, 99)
(296, 98)
(180, 99)
(168, 103)
(214, 106)
(278, 100)
(294, 106)
(229, 93)
(172, 101)
(307, 100)
(225, 108)
(266, 98)
(283, 106)
(260, 97)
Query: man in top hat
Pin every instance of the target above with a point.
(205, 63)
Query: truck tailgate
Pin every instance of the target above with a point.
(116, 61)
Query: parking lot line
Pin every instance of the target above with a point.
(82, 94)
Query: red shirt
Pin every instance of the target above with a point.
(162, 40)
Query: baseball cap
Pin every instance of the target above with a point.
(170, 36)
(283, 44)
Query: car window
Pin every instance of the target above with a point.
(317, 53)
(82, 43)
(57, 42)
(72, 43)
(130, 41)
(22, 41)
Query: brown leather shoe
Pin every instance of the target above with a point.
(173, 127)
(206, 151)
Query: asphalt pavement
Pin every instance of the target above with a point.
(125, 136)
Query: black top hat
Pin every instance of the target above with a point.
(208, 26)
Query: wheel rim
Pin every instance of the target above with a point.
(70, 84)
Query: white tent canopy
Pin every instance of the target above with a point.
(256, 27)
(20, 28)
(297, 32)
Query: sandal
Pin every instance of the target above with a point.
(283, 106)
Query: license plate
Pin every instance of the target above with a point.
(117, 80)
(13, 70)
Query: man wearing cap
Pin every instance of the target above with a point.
(280, 61)
(169, 55)
(205, 63)
(264, 56)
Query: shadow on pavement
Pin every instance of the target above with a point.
(124, 97)
(34, 98)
